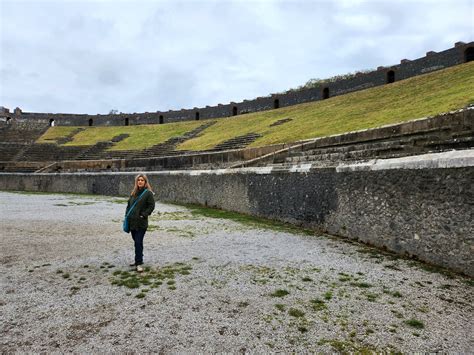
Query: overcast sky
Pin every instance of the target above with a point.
(136, 56)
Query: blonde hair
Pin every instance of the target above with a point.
(135, 187)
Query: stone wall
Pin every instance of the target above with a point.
(407, 68)
(420, 206)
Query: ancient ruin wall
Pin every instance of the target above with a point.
(433, 61)
(420, 206)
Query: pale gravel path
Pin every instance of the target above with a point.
(224, 304)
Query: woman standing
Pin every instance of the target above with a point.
(138, 218)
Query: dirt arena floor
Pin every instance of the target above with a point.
(211, 285)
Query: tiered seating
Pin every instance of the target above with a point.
(330, 152)
(48, 152)
(14, 139)
(21, 133)
(8, 151)
(237, 142)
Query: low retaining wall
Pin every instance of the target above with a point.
(421, 206)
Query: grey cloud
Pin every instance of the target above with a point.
(109, 76)
(92, 56)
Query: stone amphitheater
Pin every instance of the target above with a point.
(300, 219)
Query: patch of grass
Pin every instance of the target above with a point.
(469, 282)
(140, 136)
(345, 278)
(423, 309)
(294, 312)
(55, 133)
(318, 304)
(150, 277)
(120, 201)
(247, 220)
(392, 267)
(280, 293)
(415, 323)
(361, 284)
(66, 275)
(302, 329)
(280, 307)
(396, 313)
(432, 268)
(307, 279)
(172, 216)
(328, 295)
(371, 297)
(140, 295)
(347, 346)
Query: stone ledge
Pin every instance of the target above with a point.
(451, 159)
(443, 160)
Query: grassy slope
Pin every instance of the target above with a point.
(54, 133)
(141, 136)
(405, 100)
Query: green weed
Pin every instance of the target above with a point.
(318, 304)
(361, 284)
(280, 307)
(294, 312)
(280, 293)
(415, 323)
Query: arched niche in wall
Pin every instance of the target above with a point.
(91, 121)
(161, 120)
(325, 93)
(51, 122)
(276, 103)
(469, 54)
(390, 76)
(197, 116)
(234, 111)
(127, 122)
(9, 120)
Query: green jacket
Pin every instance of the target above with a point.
(138, 219)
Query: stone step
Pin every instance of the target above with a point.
(405, 141)
(363, 154)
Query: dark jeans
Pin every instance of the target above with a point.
(138, 240)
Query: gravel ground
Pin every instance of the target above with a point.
(211, 285)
